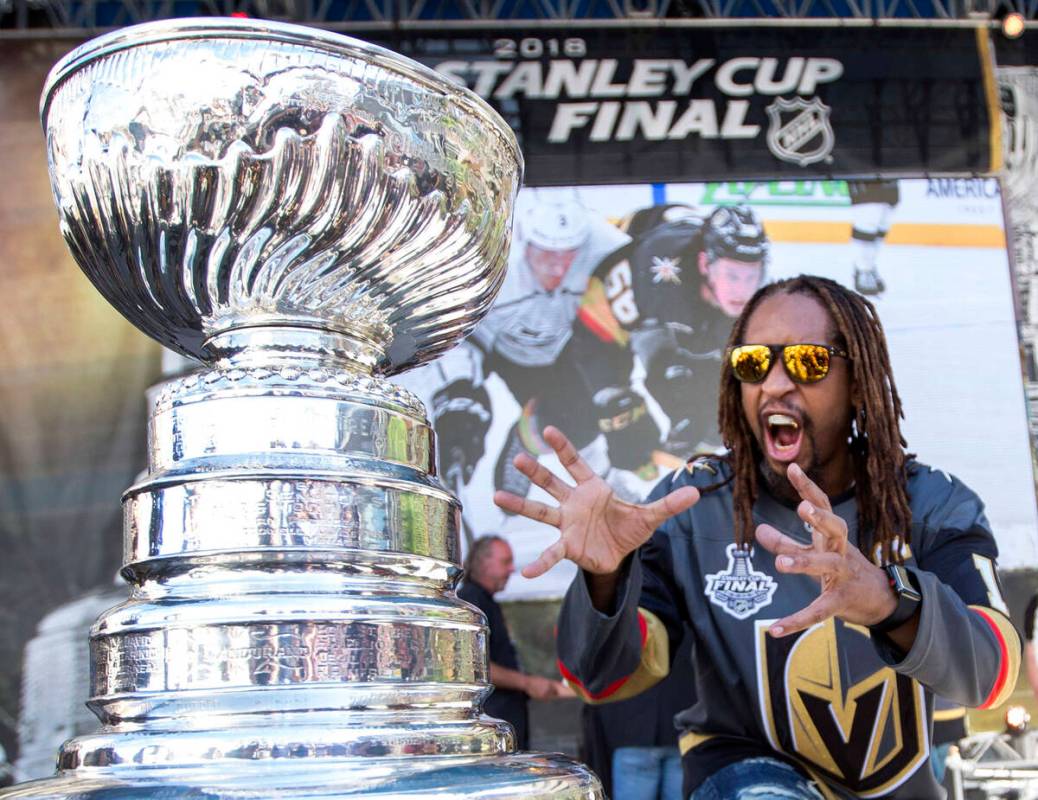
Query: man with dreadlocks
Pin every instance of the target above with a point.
(832, 584)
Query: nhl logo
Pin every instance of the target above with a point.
(800, 131)
(740, 590)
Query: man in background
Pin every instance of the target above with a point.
(6, 771)
(487, 569)
(1030, 662)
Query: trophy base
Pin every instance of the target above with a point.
(519, 775)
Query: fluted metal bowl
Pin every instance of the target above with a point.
(217, 175)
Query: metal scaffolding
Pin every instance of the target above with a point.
(25, 17)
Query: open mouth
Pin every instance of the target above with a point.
(782, 437)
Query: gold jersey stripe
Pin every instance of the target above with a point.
(596, 314)
(653, 667)
(1009, 656)
(691, 739)
(948, 714)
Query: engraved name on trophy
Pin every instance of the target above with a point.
(305, 213)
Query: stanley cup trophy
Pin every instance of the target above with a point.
(306, 214)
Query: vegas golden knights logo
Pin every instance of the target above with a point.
(842, 711)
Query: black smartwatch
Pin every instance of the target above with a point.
(908, 599)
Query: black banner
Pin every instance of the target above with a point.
(672, 104)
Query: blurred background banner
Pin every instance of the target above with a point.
(72, 378)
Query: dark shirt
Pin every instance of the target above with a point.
(506, 704)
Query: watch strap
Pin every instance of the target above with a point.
(908, 599)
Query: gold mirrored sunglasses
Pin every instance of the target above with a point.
(804, 363)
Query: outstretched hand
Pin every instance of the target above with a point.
(853, 588)
(597, 529)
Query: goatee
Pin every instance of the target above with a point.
(778, 484)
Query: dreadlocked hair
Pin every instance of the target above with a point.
(877, 446)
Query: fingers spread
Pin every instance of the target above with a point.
(820, 610)
(568, 455)
(807, 488)
(545, 561)
(775, 541)
(817, 564)
(674, 503)
(541, 476)
(531, 509)
(828, 530)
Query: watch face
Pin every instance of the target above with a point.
(902, 583)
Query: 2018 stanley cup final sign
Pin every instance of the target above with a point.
(654, 104)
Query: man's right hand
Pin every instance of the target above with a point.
(540, 688)
(597, 529)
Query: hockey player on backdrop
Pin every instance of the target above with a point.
(669, 297)
(822, 571)
(640, 222)
(526, 339)
(872, 205)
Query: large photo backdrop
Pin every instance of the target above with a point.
(618, 301)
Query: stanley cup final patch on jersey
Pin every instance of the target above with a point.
(740, 590)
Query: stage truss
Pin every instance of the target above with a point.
(24, 18)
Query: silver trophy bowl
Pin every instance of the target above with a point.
(305, 214)
(220, 175)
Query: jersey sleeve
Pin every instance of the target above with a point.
(615, 656)
(637, 284)
(966, 648)
(605, 301)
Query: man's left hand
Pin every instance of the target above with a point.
(853, 588)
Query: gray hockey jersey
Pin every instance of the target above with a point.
(530, 326)
(850, 710)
